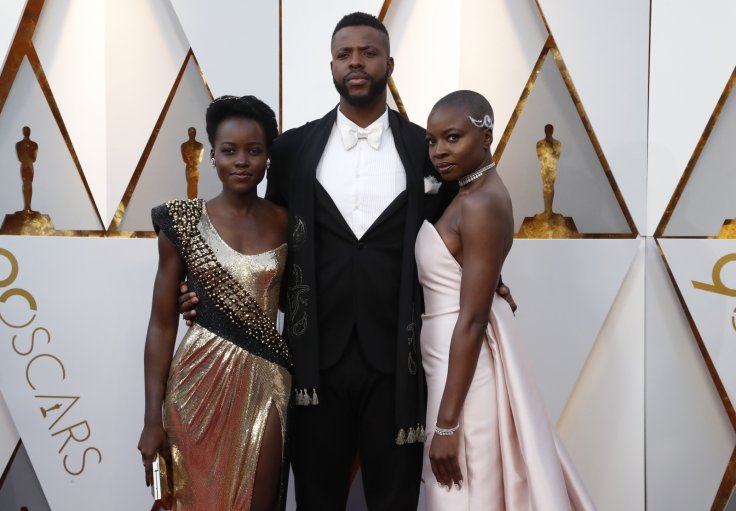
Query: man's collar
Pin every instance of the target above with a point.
(351, 132)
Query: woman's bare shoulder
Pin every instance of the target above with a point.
(493, 199)
(488, 212)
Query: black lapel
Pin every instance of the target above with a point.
(411, 152)
(314, 141)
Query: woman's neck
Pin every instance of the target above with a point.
(237, 203)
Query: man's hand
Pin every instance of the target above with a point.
(187, 303)
(503, 290)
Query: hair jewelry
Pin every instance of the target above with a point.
(485, 122)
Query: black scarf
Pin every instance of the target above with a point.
(301, 327)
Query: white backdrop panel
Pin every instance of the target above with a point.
(58, 189)
(70, 41)
(500, 43)
(713, 309)
(688, 436)
(96, 333)
(604, 418)
(308, 92)
(440, 47)
(163, 177)
(708, 198)
(616, 40)
(140, 72)
(8, 435)
(682, 101)
(582, 190)
(256, 49)
(564, 289)
(10, 14)
(425, 43)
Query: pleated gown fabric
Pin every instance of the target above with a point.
(510, 455)
(219, 394)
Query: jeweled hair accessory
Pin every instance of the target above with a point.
(485, 122)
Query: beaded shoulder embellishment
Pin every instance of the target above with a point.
(227, 293)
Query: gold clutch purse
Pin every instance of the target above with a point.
(162, 487)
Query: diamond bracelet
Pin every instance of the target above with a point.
(445, 431)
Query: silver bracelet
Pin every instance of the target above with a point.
(445, 431)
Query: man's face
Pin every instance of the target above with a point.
(360, 64)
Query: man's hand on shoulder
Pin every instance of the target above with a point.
(505, 293)
(188, 300)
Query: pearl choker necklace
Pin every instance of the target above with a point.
(467, 179)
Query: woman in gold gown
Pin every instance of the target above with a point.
(225, 393)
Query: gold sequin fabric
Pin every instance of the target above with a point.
(219, 393)
(258, 273)
(217, 401)
(200, 246)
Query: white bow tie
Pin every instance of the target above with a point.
(351, 135)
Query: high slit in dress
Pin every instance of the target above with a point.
(230, 369)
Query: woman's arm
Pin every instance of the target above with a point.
(160, 341)
(485, 243)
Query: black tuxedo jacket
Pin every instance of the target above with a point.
(335, 283)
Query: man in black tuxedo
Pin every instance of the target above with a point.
(354, 184)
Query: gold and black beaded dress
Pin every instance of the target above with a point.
(231, 367)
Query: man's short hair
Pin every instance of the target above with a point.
(360, 19)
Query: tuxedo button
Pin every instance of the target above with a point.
(361, 245)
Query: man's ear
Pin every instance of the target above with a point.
(390, 66)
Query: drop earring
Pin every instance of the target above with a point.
(212, 161)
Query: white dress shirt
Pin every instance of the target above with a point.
(361, 179)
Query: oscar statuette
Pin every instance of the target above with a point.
(192, 153)
(548, 224)
(27, 221)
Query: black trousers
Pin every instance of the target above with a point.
(355, 414)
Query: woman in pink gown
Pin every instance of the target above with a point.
(490, 443)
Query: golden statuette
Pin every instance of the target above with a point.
(27, 221)
(728, 230)
(192, 153)
(548, 224)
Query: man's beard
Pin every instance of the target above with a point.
(374, 91)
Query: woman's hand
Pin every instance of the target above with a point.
(153, 441)
(443, 457)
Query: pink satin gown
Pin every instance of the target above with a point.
(510, 455)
